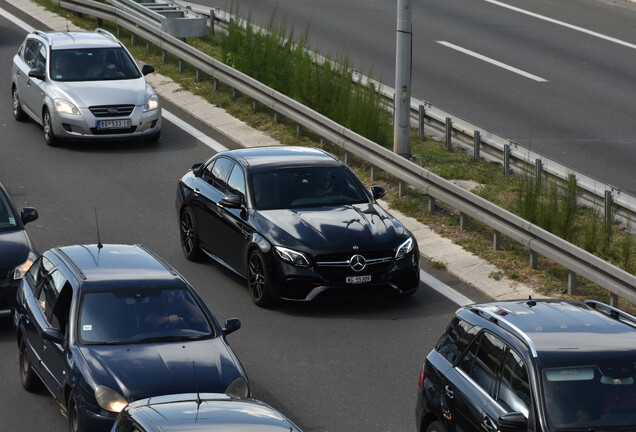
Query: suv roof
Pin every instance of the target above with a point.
(79, 39)
(116, 265)
(284, 155)
(553, 327)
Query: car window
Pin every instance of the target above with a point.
(8, 221)
(125, 423)
(217, 172)
(35, 54)
(456, 338)
(49, 291)
(236, 182)
(483, 360)
(62, 309)
(40, 268)
(92, 64)
(140, 315)
(514, 393)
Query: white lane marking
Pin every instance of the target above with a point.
(491, 61)
(212, 143)
(444, 289)
(17, 21)
(564, 24)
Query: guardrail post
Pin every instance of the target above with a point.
(533, 259)
(449, 126)
(199, 75)
(323, 142)
(463, 221)
(217, 84)
(255, 105)
(164, 56)
(347, 157)
(608, 210)
(402, 188)
(118, 31)
(180, 66)
(148, 46)
(496, 240)
(432, 205)
(133, 39)
(235, 94)
(476, 145)
(421, 116)
(374, 173)
(613, 300)
(100, 22)
(212, 22)
(276, 117)
(506, 161)
(538, 173)
(299, 129)
(571, 282)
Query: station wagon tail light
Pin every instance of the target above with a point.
(21, 270)
(66, 107)
(238, 388)
(291, 256)
(152, 103)
(109, 399)
(404, 249)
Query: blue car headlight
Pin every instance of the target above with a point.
(109, 399)
(238, 388)
(404, 249)
(291, 256)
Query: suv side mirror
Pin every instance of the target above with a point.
(52, 334)
(28, 214)
(231, 325)
(146, 69)
(37, 73)
(378, 192)
(232, 201)
(512, 422)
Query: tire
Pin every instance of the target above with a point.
(189, 236)
(436, 426)
(258, 282)
(18, 113)
(29, 379)
(49, 136)
(74, 421)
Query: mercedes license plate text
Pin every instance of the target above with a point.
(358, 279)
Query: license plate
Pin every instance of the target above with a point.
(358, 279)
(114, 124)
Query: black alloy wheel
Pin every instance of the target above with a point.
(258, 280)
(49, 136)
(18, 112)
(29, 379)
(189, 236)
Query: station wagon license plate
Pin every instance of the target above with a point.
(358, 279)
(114, 124)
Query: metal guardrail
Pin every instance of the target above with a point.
(617, 281)
(594, 193)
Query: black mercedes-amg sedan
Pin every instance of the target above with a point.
(297, 224)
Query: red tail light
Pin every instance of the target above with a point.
(421, 380)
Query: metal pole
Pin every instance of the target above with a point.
(402, 97)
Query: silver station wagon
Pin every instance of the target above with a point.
(82, 85)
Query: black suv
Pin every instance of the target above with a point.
(531, 366)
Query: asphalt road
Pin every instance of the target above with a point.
(581, 110)
(329, 367)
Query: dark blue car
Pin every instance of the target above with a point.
(102, 326)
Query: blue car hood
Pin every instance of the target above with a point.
(14, 248)
(367, 226)
(145, 370)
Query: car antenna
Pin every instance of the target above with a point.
(531, 302)
(99, 242)
(196, 381)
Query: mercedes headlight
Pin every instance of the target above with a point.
(290, 256)
(404, 249)
(152, 103)
(66, 107)
(109, 399)
(21, 270)
(238, 388)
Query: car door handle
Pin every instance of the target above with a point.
(449, 392)
(488, 425)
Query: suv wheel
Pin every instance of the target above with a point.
(258, 280)
(189, 236)
(18, 113)
(49, 136)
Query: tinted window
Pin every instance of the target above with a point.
(35, 54)
(40, 268)
(216, 173)
(8, 221)
(306, 187)
(127, 316)
(483, 360)
(92, 64)
(514, 388)
(236, 182)
(49, 291)
(456, 338)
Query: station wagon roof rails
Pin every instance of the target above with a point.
(42, 34)
(106, 33)
(501, 321)
(612, 312)
(71, 263)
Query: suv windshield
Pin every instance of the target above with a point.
(141, 315)
(92, 64)
(592, 396)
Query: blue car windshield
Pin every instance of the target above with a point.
(92, 64)
(316, 186)
(594, 396)
(140, 316)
